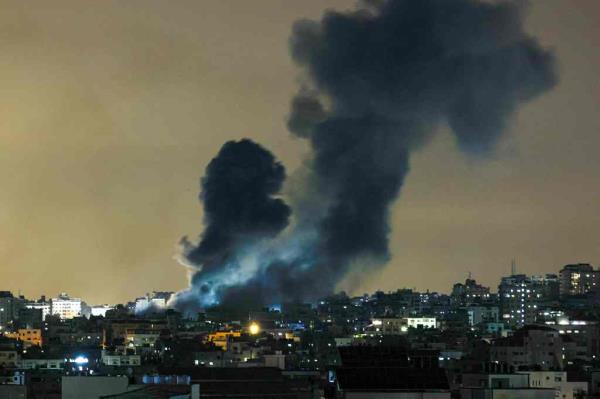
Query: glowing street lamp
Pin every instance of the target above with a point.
(254, 328)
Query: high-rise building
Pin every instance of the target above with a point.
(9, 309)
(66, 307)
(579, 279)
(521, 296)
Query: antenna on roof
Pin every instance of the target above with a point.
(513, 267)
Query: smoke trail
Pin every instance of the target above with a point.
(380, 81)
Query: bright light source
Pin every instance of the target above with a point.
(254, 328)
(80, 360)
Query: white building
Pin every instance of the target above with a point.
(66, 307)
(556, 380)
(503, 385)
(46, 364)
(421, 322)
(100, 310)
(400, 325)
(45, 307)
(120, 359)
(148, 303)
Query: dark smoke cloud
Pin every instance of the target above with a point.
(381, 80)
(240, 210)
(390, 74)
(237, 193)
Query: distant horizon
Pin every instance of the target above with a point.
(493, 288)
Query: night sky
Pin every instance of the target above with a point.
(110, 111)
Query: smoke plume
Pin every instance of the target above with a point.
(240, 211)
(380, 81)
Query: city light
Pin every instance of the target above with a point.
(254, 328)
(80, 360)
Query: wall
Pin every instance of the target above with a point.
(13, 391)
(92, 387)
(526, 393)
(397, 395)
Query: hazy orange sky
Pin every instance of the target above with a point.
(110, 110)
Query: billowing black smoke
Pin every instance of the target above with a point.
(380, 81)
(237, 192)
(240, 211)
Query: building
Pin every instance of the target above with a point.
(8, 356)
(29, 336)
(276, 360)
(581, 338)
(495, 380)
(595, 383)
(502, 385)
(530, 346)
(495, 329)
(520, 297)
(482, 314)
(221, 338)
(13, 391)
(400, 325)
(141, 338)
(152, 301)
(45, 307)
(9, 308)
(421, 322)
(88, 387)
(30, 318)
(469, 292)
(100, 310)
(391, 325)
(120, 359)
(558, 381)
(387, 372)
(579, 279)
(66, 307)
(40, 364)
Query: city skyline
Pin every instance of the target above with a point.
(104, 152)
(563, 275)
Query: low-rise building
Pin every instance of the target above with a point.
(40, 364)
(221, 338)
(120, 359)
(532, 345)
(558, 381)
(400, 325)
(141, 338)
(421, 322)
(482, 314)
(8, 358)
(30, 336)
